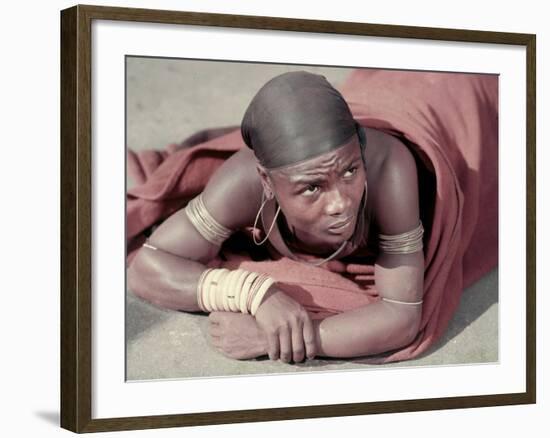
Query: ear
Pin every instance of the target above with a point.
(267, 184)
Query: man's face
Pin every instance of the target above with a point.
(321, 197)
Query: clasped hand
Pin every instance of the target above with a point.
(237, 335)
(288, 327)
(281, 328)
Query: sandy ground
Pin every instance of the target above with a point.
(168, 100)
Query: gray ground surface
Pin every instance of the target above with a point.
(168, 100)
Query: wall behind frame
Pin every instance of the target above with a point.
(30, 219)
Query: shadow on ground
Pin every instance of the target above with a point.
(50, 417)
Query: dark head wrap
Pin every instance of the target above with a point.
(296, 116)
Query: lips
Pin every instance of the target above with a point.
(340, 225)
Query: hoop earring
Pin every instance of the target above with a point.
(260, 212)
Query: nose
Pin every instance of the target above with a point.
(337, 203)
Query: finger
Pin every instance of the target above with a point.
(297, 337)
(285, 344)
(309, 338)
(273, 341)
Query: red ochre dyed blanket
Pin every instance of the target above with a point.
(449, 121)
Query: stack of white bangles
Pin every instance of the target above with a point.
(232, 290)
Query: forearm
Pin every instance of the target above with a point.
(372, 329)
(165, 280)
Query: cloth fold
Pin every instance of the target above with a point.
(450, 123)
(451, 120)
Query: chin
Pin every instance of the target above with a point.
(337, 239)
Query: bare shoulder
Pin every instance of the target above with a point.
(395, 193)
(233, 194)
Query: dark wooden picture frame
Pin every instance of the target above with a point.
(76, 217)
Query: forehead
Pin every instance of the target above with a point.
(325, 163)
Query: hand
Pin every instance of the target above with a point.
(237, 335)
(288, 327)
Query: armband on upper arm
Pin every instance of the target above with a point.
(405, 243)
(204, 223)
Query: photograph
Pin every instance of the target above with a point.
(305, 218)
(300, 218)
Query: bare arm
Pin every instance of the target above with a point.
(381, 326)
(168, 277)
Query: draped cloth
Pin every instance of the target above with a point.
(449, 121)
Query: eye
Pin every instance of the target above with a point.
(350, 172)
(310, 189)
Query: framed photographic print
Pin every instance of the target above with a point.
(423, 297)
